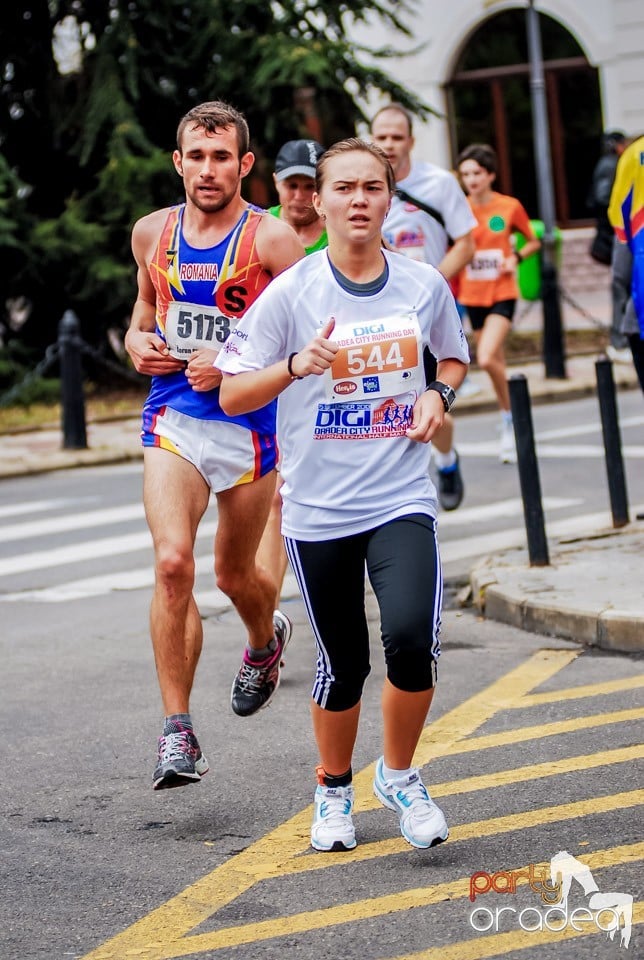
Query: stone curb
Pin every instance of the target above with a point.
(535, 608)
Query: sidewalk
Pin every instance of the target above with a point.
(590, 592)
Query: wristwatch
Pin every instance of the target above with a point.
(448, 394)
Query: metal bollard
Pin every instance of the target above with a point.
(528, 471)
(612, 441)
(71, 382)
(553, 346)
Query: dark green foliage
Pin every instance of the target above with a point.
(84, 154)
(20, 384)
(32, 390)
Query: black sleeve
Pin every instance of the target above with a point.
(603, 181)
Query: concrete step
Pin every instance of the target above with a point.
(579, 273)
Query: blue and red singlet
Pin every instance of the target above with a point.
(201, 293)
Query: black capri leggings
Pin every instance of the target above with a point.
(403, 565)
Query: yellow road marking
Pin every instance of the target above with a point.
(577, 693)
(440, 738)
(373, 907)
(539, 730)
(468, 831)
(158, 939)
(536, 771)
(163, 933)
(506, 944)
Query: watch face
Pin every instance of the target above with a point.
(447, 393)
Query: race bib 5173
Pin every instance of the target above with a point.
(192, 326)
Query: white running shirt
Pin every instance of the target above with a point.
(413, 231)
(347, 465)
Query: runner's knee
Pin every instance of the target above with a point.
(174, 563)
(412, 673)
(174, 573)
(411, 662)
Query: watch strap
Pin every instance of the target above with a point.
(447, 393)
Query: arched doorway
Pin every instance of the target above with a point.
(489, 101)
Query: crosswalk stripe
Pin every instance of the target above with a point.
(507, 539)
(504, 508)
(74, 553)
(32, 506)
(75, 521)
(99, 585)
(94, 549)
(578, 429)
(135, 511)
(490, 448)
(91, 550)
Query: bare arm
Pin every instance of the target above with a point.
(530, 247)
(511, 263)
(457, 257)
(147, 350)
(429, 411)
(243, 392)
(278, 245)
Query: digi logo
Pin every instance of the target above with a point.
(369, 328)
(339, 416)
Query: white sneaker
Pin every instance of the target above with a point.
(619, 354)
(508, 449)
(422, 822)
(332, 828)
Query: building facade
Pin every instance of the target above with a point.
(474, 70)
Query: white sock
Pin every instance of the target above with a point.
(390, 774)
(506, 418)
(444, 461)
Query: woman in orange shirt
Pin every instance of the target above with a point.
(488, 286)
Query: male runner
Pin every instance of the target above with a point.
(200, 265)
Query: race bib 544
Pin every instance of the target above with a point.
(377, 358)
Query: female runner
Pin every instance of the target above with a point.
(339, 338)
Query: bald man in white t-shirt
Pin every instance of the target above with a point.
(442, 237)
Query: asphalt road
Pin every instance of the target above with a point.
(533, 747)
